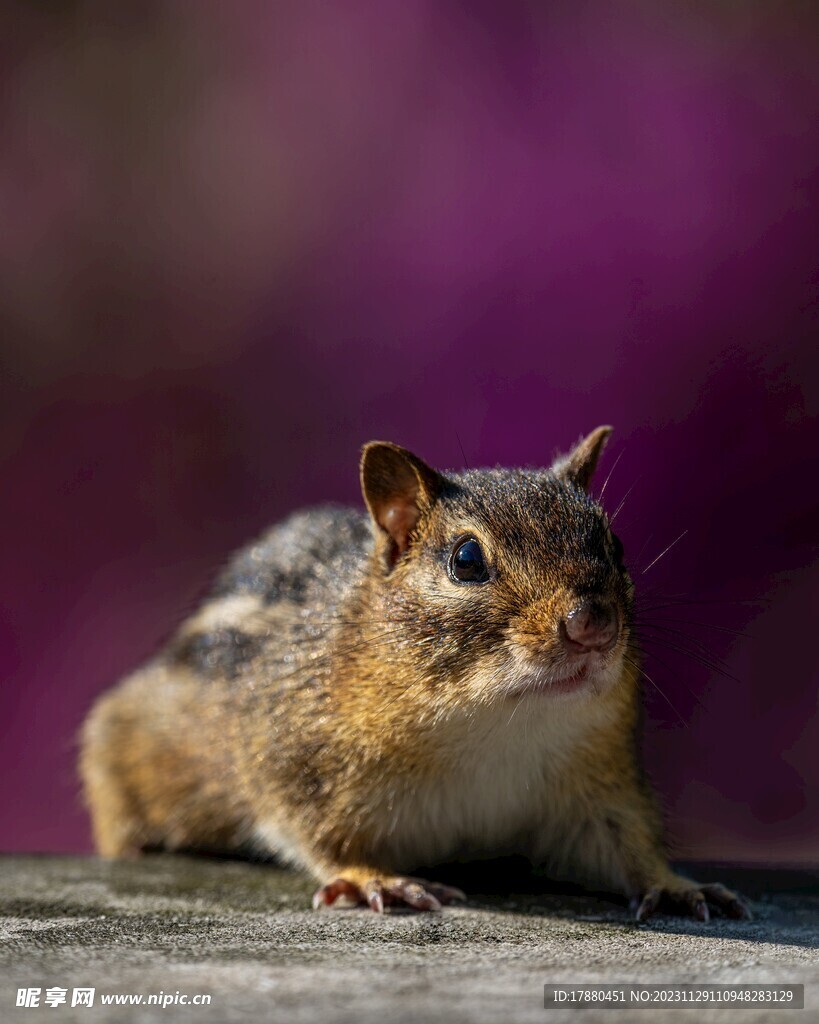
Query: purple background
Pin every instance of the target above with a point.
(239, 240)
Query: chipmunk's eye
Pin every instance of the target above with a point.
(466, 564)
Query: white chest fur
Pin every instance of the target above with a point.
(500, 789)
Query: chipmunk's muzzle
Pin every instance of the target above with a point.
(569, 644)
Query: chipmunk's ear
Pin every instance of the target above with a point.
(579, 465)
(398, 487)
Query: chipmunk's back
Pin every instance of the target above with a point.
(297, 573)
(312, 550)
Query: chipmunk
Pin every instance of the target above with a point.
(453, 675)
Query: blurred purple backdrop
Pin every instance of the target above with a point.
(240, 240)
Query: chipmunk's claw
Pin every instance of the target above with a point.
(727, 902)
(646, 907)
(445, 893)
(696, 900)
(329, 893)
(379, 894)
(374, 895)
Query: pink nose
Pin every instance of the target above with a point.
(592, 626)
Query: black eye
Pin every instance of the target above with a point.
(618, 549)
(466, 564)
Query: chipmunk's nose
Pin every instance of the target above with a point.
(591, 626)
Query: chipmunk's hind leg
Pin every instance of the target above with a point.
(117, 820)
(153, 775)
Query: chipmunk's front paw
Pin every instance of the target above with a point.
(380, 893)
(682, 896)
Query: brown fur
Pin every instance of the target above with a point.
(341, 700)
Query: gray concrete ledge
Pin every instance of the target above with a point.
(243, 933)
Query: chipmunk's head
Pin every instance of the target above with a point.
(505, 582)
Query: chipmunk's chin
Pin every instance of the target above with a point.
(581, 676)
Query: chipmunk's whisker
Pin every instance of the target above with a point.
(679, 634)
(659, 690)
(695, 656)
(656, 657)
(463, 453)
(645, 544)
(662, 554)
(695, 622)
(670, 602)
(623, 501)
(606, 481)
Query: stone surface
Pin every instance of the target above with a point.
(244, 934)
